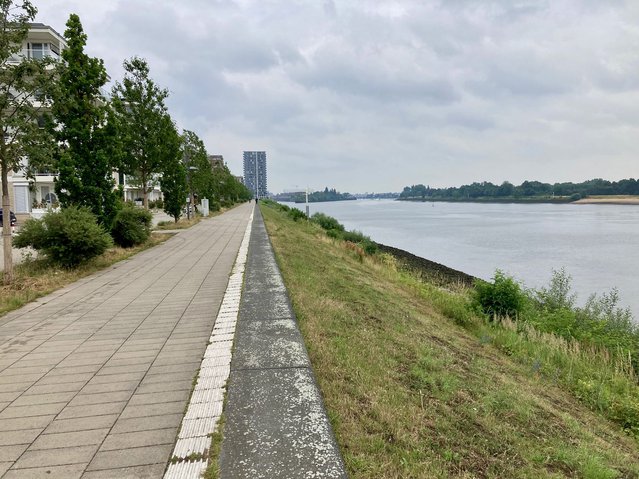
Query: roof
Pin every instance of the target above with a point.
(42, 26)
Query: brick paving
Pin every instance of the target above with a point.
(94, 378)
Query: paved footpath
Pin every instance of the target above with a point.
(95, 377)
(276, 425)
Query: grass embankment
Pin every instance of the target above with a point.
(38, 277)
(417, 385)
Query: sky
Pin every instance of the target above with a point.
(375, 95)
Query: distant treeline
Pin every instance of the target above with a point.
(315, 197)
(528, 189)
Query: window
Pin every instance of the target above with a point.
(36, 51)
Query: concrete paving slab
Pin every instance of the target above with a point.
(69, 439)
(24, 436)
(56, 457)
(101, 398)
(43, 399)
(147, 423)
(32, 410)
(140, 472)
(91, 410)
(81, 424)
(18, 424)
(158, 398)
(175, 407)
(137, 456)
(49, 472)
(12, 453)
(153, 437)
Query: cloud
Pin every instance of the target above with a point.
(376, 95)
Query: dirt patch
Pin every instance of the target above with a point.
(428, 270)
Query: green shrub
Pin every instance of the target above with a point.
(502, 297)
(131, 226)
(327, 222)
(354, 236)
(68, 237)
(334, 234)
(296, 214)
(558, 295)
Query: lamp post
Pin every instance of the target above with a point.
(189, 199)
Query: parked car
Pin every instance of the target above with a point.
(11, 215)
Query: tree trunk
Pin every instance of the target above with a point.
(6, 226)
(145, 193)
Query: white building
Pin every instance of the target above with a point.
(41, 42)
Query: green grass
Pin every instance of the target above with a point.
(416, 385)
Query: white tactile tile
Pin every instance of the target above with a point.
(205, 407)
(198, 427)
(222, 348)
(215, 371)
(192, 445)
(207, 395)
(217, 361)
(204, 410)
(185, 470)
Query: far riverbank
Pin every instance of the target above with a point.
(590, 200)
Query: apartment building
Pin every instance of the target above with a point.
(26, 195)
(255, 173)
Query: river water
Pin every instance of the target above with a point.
(598, 245)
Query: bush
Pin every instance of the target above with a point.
(327, 222)
(502, 297)
(131, 226)
(296, 214)
(68, 237)
(559, 293)
(156, 204)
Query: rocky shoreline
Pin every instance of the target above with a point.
(427, 269)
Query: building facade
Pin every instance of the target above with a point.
(38, 192)
(255, 173)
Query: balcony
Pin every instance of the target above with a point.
(33, 54)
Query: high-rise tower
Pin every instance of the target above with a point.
(255, 172)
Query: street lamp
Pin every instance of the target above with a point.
(189, 199)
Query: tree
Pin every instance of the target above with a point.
(198, 168)
(174, 189)
(87, 153)
(144, 123)
(23, 98)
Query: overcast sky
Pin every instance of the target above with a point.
(376, 95)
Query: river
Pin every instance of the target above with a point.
(598, 245)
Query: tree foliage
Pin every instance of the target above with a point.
(173, 184)
(87, 138)
(528, 189)
(24, 85)
(146, 128)
(205, 181)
